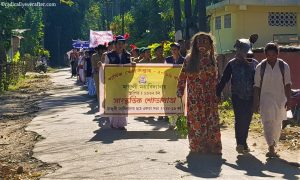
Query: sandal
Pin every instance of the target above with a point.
(122, 129)
(272, 155)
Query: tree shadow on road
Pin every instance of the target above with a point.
(108, 135)
(255, 167)
(94, 107)
(202, 165)
(157, 124)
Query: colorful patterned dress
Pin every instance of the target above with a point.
(202, 107)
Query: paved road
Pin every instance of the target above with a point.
(80, 141)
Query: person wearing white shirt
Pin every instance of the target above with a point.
(272, 91)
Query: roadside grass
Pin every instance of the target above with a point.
(290, 136)
(27, 81)
(52, 69)
(21, 82)
(227, 117)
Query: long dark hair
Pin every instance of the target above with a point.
(194, 54)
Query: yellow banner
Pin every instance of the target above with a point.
(139, 90)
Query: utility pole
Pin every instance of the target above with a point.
(202, 19)
(107, 12)
(58, 31)
(177, 15)
(188, 16)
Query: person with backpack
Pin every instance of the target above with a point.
(272, 92)
(240, 70)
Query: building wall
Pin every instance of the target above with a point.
(225, 36)
(292, 58)
(247, 20)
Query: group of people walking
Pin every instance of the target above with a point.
(254, 86)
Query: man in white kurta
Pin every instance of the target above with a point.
(272, 99)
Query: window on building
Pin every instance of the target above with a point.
(286, 39)
(284, 19)
(218, 22)
(227, 21)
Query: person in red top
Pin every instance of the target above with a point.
(199, 74)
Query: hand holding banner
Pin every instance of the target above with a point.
(141, 89)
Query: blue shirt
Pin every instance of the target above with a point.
(241, 74)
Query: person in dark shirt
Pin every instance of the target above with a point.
(176, 57)
(118, 56)
(88, 64)
(240, 70)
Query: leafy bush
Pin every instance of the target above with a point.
(16, 57)
(167, 48)
(227, 104)
(180, 123)
(44, 52)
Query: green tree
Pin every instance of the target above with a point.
(92, 20)
(33, 20)
(10, 18)
(116, 24)
(153, 21)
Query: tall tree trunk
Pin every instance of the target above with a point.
(123, 18)
(188, 16)
(107, 16)
(202, 19)
(2, 62)
(177, 14)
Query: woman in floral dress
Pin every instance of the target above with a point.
(199, 73)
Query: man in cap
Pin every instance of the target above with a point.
(253, 38)
(118, 56)
(96, 62)
(147, 55)
(240, 71)
(176, 57)
(111, 46)
(134, 52)
(159, 55)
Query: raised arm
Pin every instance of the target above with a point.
(257, 89)
(181, 80)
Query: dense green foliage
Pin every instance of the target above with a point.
(53, 28)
